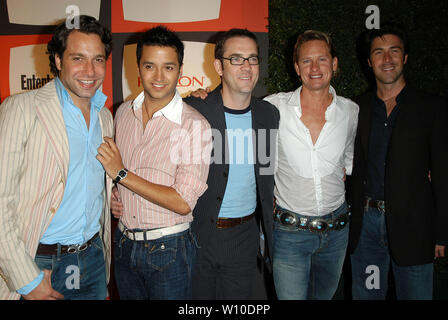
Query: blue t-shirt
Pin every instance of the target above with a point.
(240, 197)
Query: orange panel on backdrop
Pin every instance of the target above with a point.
(250, 14)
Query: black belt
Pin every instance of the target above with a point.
(315, 225)
(224, 223)
(50, 249)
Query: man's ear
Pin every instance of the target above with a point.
(58, 62)
(296, 67)
(218, 66)
(335, 64)
(405, 59)
(181, 71)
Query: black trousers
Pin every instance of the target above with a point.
(227, 263)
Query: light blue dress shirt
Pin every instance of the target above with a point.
(77, 219)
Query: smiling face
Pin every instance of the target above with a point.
(387, 59)
(315, 65)
(238, 80)
(82, 67)
(159, 70)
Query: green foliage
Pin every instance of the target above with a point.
(344, 20)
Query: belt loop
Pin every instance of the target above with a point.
(58, 254)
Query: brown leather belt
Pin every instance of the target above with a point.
(223, 223)
(50, 249)
(377, 204)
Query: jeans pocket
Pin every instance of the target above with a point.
(193, 240)
(118, 239)
(44, 262)
(162, 253)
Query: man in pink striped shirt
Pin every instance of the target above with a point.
(160, 163)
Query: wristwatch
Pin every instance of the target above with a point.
(121, 175)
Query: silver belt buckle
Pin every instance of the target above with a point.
(318, 226)
(382, 206)
(128, 233)
(77, 248)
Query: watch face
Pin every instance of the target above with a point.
(122, 173)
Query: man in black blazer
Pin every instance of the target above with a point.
(239, 196)
(399, 179)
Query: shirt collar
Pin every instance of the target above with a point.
(97, 101)
(294, 101)
(172, 111)
(397, 99)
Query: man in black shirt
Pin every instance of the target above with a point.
(399, 179)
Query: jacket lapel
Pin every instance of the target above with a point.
(365, 122)
(49, 113)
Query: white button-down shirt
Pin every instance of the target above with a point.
(309, 177)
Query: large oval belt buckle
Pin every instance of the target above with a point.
(341, 221)
(288, 219)
(318, 226)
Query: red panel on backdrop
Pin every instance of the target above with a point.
(250, 14)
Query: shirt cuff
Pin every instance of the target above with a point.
(32, 285)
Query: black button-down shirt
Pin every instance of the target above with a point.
(380, 133)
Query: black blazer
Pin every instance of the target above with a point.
(264, 116)
(416, 215)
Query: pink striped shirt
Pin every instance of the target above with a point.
(173, 150)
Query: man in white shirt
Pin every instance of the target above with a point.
(315, 151)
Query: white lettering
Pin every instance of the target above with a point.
(373, 21)
(72, 21)
(72, 281)
(373, 280)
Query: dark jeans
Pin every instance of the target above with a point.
(154, 269)
(78, 276)
(370, 266)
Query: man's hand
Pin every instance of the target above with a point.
(115, 204)
(439, 251)
(110, 158)
(44, 291)
(201, 93)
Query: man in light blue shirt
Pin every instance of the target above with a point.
(72, 244)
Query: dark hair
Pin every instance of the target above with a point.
(88, 25)
(232, 33)
(162, 37)
(393, 28)
(310, 35)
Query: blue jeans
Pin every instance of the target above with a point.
(78, 276)
(306, 265)
(154, 269)
(371, 261)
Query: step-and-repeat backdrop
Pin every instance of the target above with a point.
(27, 25)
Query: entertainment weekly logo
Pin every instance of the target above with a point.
(190, 149)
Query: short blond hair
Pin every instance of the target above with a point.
(310, 35)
